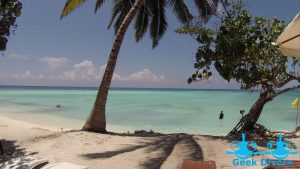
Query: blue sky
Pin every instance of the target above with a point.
(73, 51)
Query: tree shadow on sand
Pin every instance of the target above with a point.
(11, 150)
(109, 154)
(164, 144)
(167, 147)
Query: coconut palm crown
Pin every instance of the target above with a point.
(151, 15)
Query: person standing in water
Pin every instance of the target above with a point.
(221, 115)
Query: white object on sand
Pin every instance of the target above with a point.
(26, 162)
(64, 165)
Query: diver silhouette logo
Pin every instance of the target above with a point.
(282, 149)
(240, 148)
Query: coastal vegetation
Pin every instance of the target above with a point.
(148, 15)
(9, 11)
(240, 49)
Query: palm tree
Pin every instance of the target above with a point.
(148, 14)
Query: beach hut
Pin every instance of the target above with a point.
(289, 41)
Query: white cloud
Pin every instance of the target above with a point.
(101, 72)
(82, 70)
(17, 56)
(86, 70)
(143, 75)
(28, 75)
(54, 63)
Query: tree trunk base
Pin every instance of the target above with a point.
(91, 129)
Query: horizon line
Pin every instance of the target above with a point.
(119, 87)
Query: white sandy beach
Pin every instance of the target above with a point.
(114, 151)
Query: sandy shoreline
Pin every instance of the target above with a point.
(114, 151)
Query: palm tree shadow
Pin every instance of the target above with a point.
(109, 154)
(167, 147)
(195, 149)
(11, 150)
(164, 144)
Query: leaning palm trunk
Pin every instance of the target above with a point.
(96, 121)
(267, 94)
(254, 113)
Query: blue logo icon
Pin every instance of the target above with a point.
(281, 152)
(240, 148)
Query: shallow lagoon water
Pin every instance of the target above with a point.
(162, 110)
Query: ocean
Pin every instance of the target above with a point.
(161, 110)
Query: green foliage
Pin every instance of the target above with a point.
(9, 11)
(241, 49)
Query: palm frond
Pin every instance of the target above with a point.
(119, 11)
(141, 22)
(159, 22)
(98, 4)
(70, 6)
(180, 10)
(115, 12)
(206, 8)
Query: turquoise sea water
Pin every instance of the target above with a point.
(162, 110)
